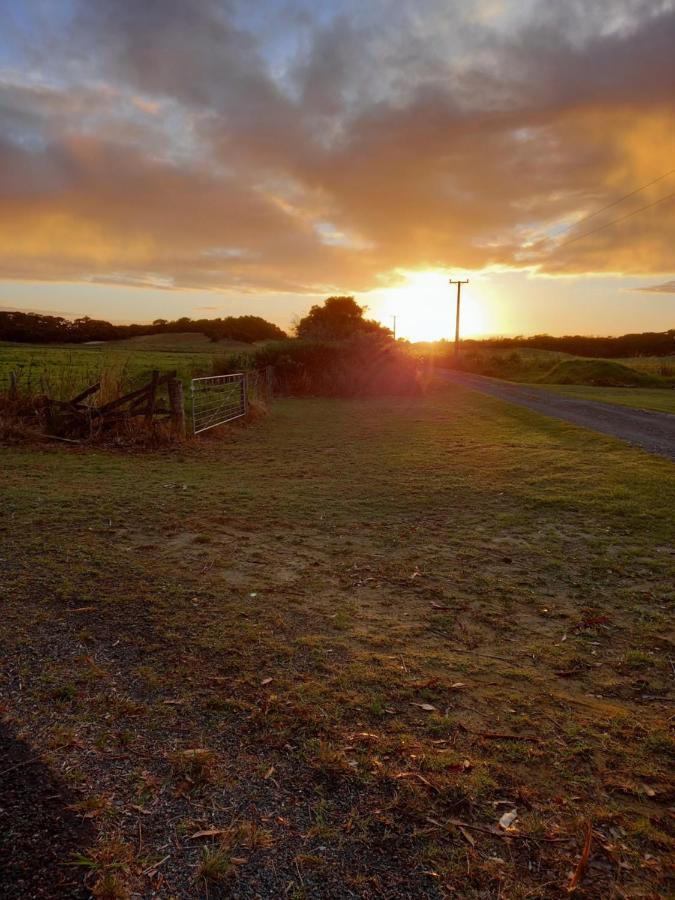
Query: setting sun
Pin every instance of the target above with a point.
(424, 307)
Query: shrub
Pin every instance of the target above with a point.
(365, 365)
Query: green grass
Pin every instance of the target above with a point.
(637, 398)
(601, 373)
(65, 369)
(411, 613)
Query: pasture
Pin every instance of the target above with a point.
(63, 370)
(326, 655)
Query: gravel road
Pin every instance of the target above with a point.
(653, 431)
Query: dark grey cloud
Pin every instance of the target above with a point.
(182, 144)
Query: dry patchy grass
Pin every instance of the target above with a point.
(324, 657)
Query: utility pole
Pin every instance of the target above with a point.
(459, 296)
(394, 319)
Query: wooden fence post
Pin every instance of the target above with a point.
(13, 386)
(177, 406)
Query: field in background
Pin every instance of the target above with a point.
(654, 365)
(71, 367)
(64, 370)
(330, 652)
(187, 342)
(638, 382)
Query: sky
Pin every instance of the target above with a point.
(220, 157)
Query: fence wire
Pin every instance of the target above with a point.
(260, 384)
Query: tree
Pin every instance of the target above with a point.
(338, 318)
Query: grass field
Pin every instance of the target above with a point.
(653, 365)
(62, 371)
(324, 657)
(66, 369)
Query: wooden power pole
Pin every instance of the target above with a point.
(459, 297)
(394, 319)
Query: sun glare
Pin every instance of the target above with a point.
(425, 308)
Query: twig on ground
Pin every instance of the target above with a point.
(583, 861)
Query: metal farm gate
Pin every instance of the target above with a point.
(218, 399)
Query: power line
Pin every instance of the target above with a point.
(621, 199)
(616, 221)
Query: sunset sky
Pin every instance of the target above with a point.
(214, 157)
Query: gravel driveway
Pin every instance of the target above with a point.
(653, 431)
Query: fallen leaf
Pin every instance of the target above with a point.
(467, 836)
(265, 681)
(268, 773)
(508, 819)
(197, 753)
(457, 685)
(427, 707)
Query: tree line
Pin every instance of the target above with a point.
(648, 343)
(337, 319)
(35, 328)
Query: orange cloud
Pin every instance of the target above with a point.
(184, 154)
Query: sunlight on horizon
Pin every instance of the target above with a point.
(424, 307)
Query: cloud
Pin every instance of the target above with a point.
(668, 287)
(193, 146)
(64, 314)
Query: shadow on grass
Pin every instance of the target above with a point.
(38, 833)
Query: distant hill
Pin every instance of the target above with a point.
(180, 342)
(600, 372)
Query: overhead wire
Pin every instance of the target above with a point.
(621, 199)
(616, 221)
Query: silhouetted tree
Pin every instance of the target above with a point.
(338, 318)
